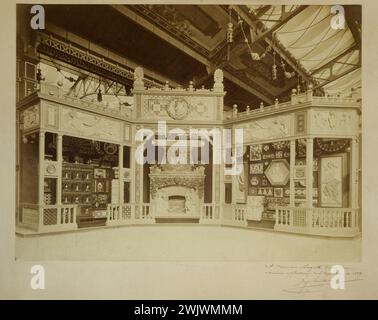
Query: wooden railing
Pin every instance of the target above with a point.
(48, 218)
(145, 211)
(343, 222)
(240, 212)
(235, 214)
(129, 213)
(318, 221)
(210, 213)
(119, 213)
(58, 218)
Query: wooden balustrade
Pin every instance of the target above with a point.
(317, 221)
(235, 214)
(57, 218)
(210, 213)
(343, 222)
(240, 213)
(119, 214)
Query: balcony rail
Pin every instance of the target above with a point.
(210, 213)
(129, 213)
(48, 218)
(318, 221)
(334, 222)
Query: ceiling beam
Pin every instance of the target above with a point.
(195, 55)
(247, 88)
(353, 20)
(334, 60)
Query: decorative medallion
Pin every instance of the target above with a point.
(110, 148)
(51, 169)
(255, 181)
(178, 109)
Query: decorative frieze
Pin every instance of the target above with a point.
(267, 128)
(334, 121)
(90, 125)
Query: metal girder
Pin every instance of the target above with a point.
(249, 18)
(330, 63)
(285, 17)
(262, 11)
(336, 77)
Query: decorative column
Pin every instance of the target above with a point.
(132, 174)
(309, 169)
(120, 173)
(292, 173)
(41, 177)
(41, 173)
(354, 172)
(59, 158)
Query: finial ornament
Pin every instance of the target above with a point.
(218, 80)
(138, 74)
(138, 78)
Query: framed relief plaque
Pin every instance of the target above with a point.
(331, 178)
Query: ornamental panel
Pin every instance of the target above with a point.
(278, 172)
(90, 126)
(268, 128)
(335, 121)
(30, 118)
(178, 107)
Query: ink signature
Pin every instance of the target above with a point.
(309, 278)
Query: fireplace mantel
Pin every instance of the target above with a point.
(184, 182)
(177, 175)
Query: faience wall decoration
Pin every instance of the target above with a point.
(90, 126)
(331, 181)
(333, 121)
(30, 118)
(278, 172)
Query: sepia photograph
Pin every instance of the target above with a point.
(191, 137)
(185, 97)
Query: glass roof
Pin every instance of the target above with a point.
(313, 42)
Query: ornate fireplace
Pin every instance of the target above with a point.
(176, 191)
